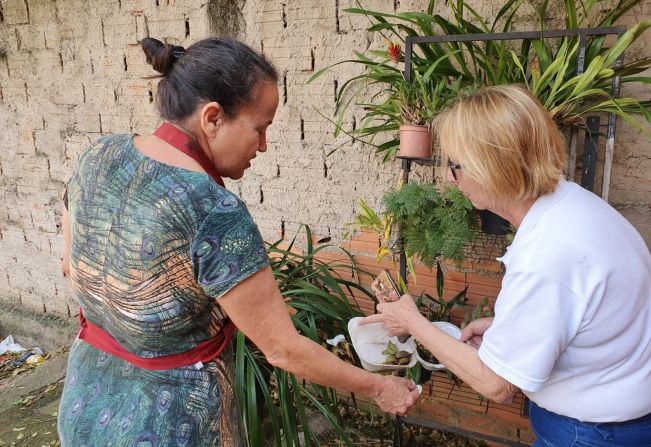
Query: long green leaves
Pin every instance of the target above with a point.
(320, 296)
(546, 66)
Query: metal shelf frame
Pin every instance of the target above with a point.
(582, 34)
(406, 163)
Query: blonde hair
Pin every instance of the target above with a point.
(505, 140)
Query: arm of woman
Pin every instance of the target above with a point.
(458, 357)
(257, 308)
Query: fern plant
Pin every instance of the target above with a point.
(434, 223)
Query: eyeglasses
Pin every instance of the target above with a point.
(453, 168)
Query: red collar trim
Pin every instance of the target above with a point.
(188, 145)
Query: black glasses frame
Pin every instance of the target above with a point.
(453, 168)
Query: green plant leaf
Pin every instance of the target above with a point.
(571, 20)
(625, 41)
(589, 75)
(439, 280)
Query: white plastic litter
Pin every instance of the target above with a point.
(336, 340)
(8, 345)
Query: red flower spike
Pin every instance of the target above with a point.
(394, 51)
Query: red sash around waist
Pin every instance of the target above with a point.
(204, 352)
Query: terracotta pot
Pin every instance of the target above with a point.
(415, 142)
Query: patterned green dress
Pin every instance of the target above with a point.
(153, 249)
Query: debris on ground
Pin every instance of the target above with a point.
(31, 421)
(14, 359)
(8, 345)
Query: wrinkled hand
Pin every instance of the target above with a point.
(473, 334)
(396, 317)
(397, 395)
(384, 296)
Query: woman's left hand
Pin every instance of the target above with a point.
(396, 317)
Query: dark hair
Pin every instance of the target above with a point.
(213, 69)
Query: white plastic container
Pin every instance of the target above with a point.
(370, 340)
(449, 329)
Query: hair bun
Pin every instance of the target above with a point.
(161, 56)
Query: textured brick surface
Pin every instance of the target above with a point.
(74, 71)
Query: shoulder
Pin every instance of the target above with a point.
(106, 145)
(90, 159)
(212, 199)
(109, 141)
(571, 228)
(228, 246)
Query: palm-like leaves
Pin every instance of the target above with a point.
(547, 66)
(320, 299)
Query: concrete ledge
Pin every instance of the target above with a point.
(46, 331)
(50, 371)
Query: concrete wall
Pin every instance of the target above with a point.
(73, 70)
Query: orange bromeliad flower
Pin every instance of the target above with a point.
(394, 51)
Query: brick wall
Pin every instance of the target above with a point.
(72, 70)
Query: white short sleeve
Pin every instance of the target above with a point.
(535, 319)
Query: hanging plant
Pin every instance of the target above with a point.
(434, 223)
(547, 66)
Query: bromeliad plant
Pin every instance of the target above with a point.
(319, 300)
(546, 66)
(388, 99)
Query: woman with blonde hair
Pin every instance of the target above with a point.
(572, 325)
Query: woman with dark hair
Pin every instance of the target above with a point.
(572, 325)
(166, 264)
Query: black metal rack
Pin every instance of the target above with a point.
(589, 154)
(582, 34)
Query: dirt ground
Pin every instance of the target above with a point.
(29, 400)
(31, 421)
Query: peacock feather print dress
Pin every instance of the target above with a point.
(153, 249)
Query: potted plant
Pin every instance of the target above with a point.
(419, 102)
(389, 101)
(546, 66)
(432, 223)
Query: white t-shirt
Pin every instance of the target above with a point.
(572, 323)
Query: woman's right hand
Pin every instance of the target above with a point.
(397, 395)
(396, 317)
(258, 309)
(473, 333)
